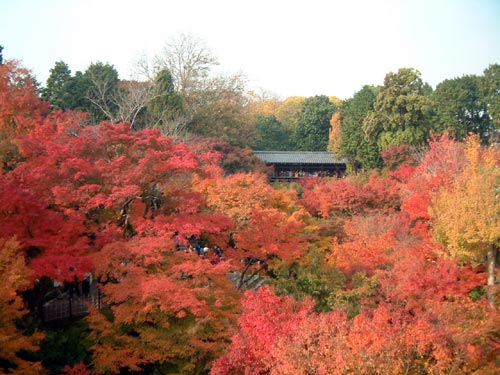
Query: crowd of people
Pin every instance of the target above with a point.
(215, 255)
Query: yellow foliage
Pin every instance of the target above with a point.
(467, 216)
(335, 134)
(335, 100)
(265, 107)
(290, 108)
(294, 100)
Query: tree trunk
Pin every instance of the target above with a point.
(491, 264)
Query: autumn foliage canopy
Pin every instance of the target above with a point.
(382, 274)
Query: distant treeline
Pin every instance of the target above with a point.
(180, 95)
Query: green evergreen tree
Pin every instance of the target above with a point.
(166, 103)
(460, 107)
(402, 111)
(271, 134)
(354, 145)
(165, 108)
(57, 90)
(79, 86)
(314, 123)
(101, 83)
(491, 94)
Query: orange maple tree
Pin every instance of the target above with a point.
(14, 280)
(267, 222)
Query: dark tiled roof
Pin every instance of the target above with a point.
(298, 157)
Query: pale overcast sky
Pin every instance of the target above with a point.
(287, 48)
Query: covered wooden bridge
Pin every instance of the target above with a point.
(292, 165)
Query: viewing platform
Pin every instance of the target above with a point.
(288, 166)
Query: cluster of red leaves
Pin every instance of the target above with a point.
(265, 319)
(78, 369)
(346, 197)
(419, 333)
(399, 156)
(21, 108)
(440, 165)
(66, 197)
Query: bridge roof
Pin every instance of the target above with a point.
(298, 157)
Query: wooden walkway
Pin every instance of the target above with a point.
(64, 307)
(252, 282)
